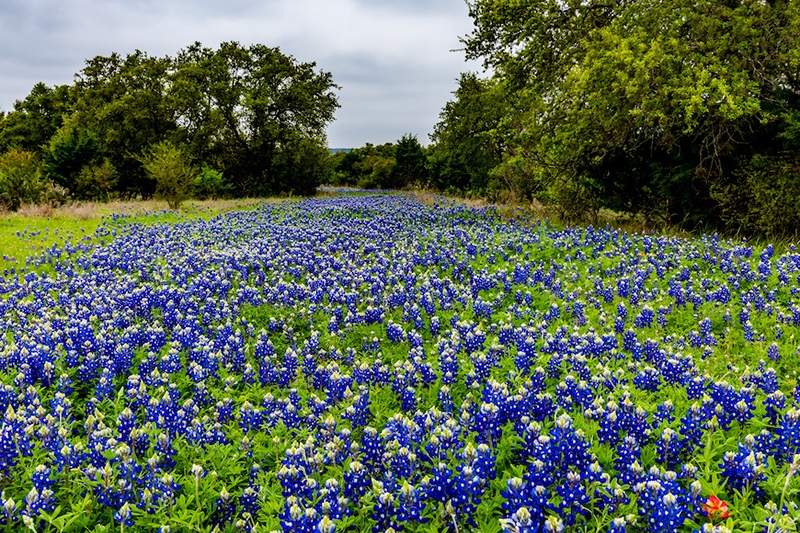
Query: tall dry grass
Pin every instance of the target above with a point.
(94, 210)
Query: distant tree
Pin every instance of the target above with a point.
(375, 171)
(252, 112)
(246, 109)
(410, 162)
(171, 170)
(370, 166)
(124, 101)
(20, 179)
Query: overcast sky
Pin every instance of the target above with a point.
(392, 58)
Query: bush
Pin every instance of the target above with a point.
(96, 181)
(764, 198)
(20, 179)
(576, 199)
(376, 172)
(169, 166)
(69, 151)
(209, 183)
(53, 194)
(298, 167)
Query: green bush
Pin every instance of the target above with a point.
(376, 172)
(169, 166)
(765, 197)
(96, 181)
(209, 183)
(20, 179)
(576, 199)
(68, 152)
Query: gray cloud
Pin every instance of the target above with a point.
(392, 58)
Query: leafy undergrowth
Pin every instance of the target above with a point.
(368, 362)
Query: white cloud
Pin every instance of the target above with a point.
(393, 59)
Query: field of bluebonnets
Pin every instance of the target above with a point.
(369, 362)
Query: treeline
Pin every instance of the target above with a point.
(236, 120)
(385, 166)
(683, 112)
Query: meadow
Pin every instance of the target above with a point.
(374, 362)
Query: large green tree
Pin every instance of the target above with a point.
(656, 106)
(242, 108)
(123, 100)
(35, 118)
(253, 112)
(466, 142)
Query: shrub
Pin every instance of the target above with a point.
(69, 151)
(53, 194)
(20, 179)
(169, 166)
(96, 181)
(764, 198)
(209, 183)
(576, 198)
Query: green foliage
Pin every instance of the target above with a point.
(765, 198)
(245, 109)
(35, 118)
(465, 145)
(368, 167)
(20, 179)
(375, 171)
(96, 181)
(410, 162)
(239, 109)
(298, 166)
(209, 183)
(677, 110)
(69, 150)
(124, 101)
(171, 170)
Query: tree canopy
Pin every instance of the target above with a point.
(244, 111)
(685, 111)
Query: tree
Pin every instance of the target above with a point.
(370, 167)
(252, 112)
(244, 109)
(35, 118)
(465, 142)
(20, 179)
(96, 181)
(169, 167)
(409, 165)
(68, 151)
(123, 100)
(651, 106)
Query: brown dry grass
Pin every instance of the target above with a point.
(92, 210)
(532, 212)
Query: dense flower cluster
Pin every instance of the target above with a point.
(372, 362)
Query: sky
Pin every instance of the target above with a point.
(393, 59)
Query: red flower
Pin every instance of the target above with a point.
(716, 508)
